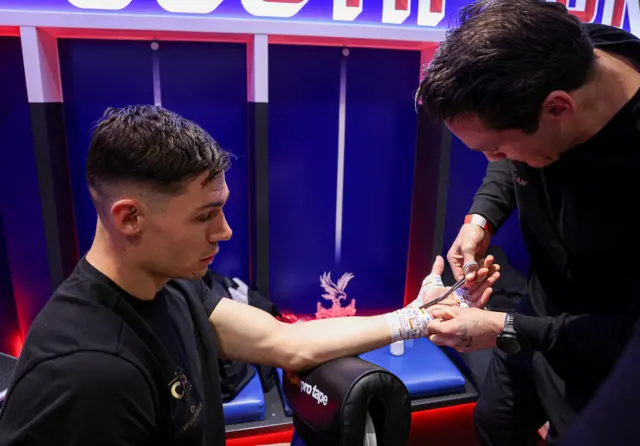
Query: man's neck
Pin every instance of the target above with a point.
(126, 274)
(614, 83)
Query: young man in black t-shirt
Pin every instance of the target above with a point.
(555, 106)
(125, 352)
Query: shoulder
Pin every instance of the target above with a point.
(206, 290)
(604, 36)
(74, 320)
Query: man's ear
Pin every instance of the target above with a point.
(558, 105)
(128, 216)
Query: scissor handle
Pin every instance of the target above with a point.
(467, 266)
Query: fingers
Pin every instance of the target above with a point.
(482, 301)
(469, 249)
(438, 266)
(445, 330)
(487, 276)
(471, 239)
(451, 301)
(478, 291)
(442, 328)
(455, 260)
(443, 312)
(486, 267)
(447, 341)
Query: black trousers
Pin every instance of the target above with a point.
(519, 394)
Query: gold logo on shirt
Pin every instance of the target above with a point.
(180, 386)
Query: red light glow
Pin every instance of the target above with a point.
(15, 344)
(446, 426)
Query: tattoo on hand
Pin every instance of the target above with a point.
(466, 340)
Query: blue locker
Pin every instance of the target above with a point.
(207, 83)
(365, 249)
(20, 206)
(97, 74)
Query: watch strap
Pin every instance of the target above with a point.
(509, 328)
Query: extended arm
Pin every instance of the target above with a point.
(252, 335)
(85, 398)
(495, 199)
(574, 345)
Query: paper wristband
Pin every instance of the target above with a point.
(478, 220)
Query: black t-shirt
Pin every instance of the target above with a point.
(85, 378)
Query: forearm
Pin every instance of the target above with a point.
(495, 199)
(588, 344)
(251, 335)
(315, 342)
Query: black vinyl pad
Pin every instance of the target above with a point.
(331, 402)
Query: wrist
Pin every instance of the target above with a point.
(479, 220)
(407, 323)
(497, 321)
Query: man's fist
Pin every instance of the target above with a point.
(471, 244)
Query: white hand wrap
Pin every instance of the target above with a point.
(432, 280)
(410, 322)
(463, 298)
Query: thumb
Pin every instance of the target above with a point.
(438, 266)
(469, 251)
(444, 340)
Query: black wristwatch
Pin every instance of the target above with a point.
(507, 341)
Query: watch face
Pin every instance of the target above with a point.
(508, 344)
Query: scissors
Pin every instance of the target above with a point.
(466, 268)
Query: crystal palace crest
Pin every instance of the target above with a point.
(335, 293)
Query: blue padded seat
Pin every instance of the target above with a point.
(248, 405)
(287, 409)
(424, 368)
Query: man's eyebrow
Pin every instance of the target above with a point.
(213, 204)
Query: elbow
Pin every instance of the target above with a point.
(298, 361)
(294, 354)
(296, 358)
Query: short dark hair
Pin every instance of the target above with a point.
(503, 59)
(151, 145)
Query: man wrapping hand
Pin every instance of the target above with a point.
(554, 105)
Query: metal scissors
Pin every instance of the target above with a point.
(466, 268)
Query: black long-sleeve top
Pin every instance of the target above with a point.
(611, 417)
(580, 222)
